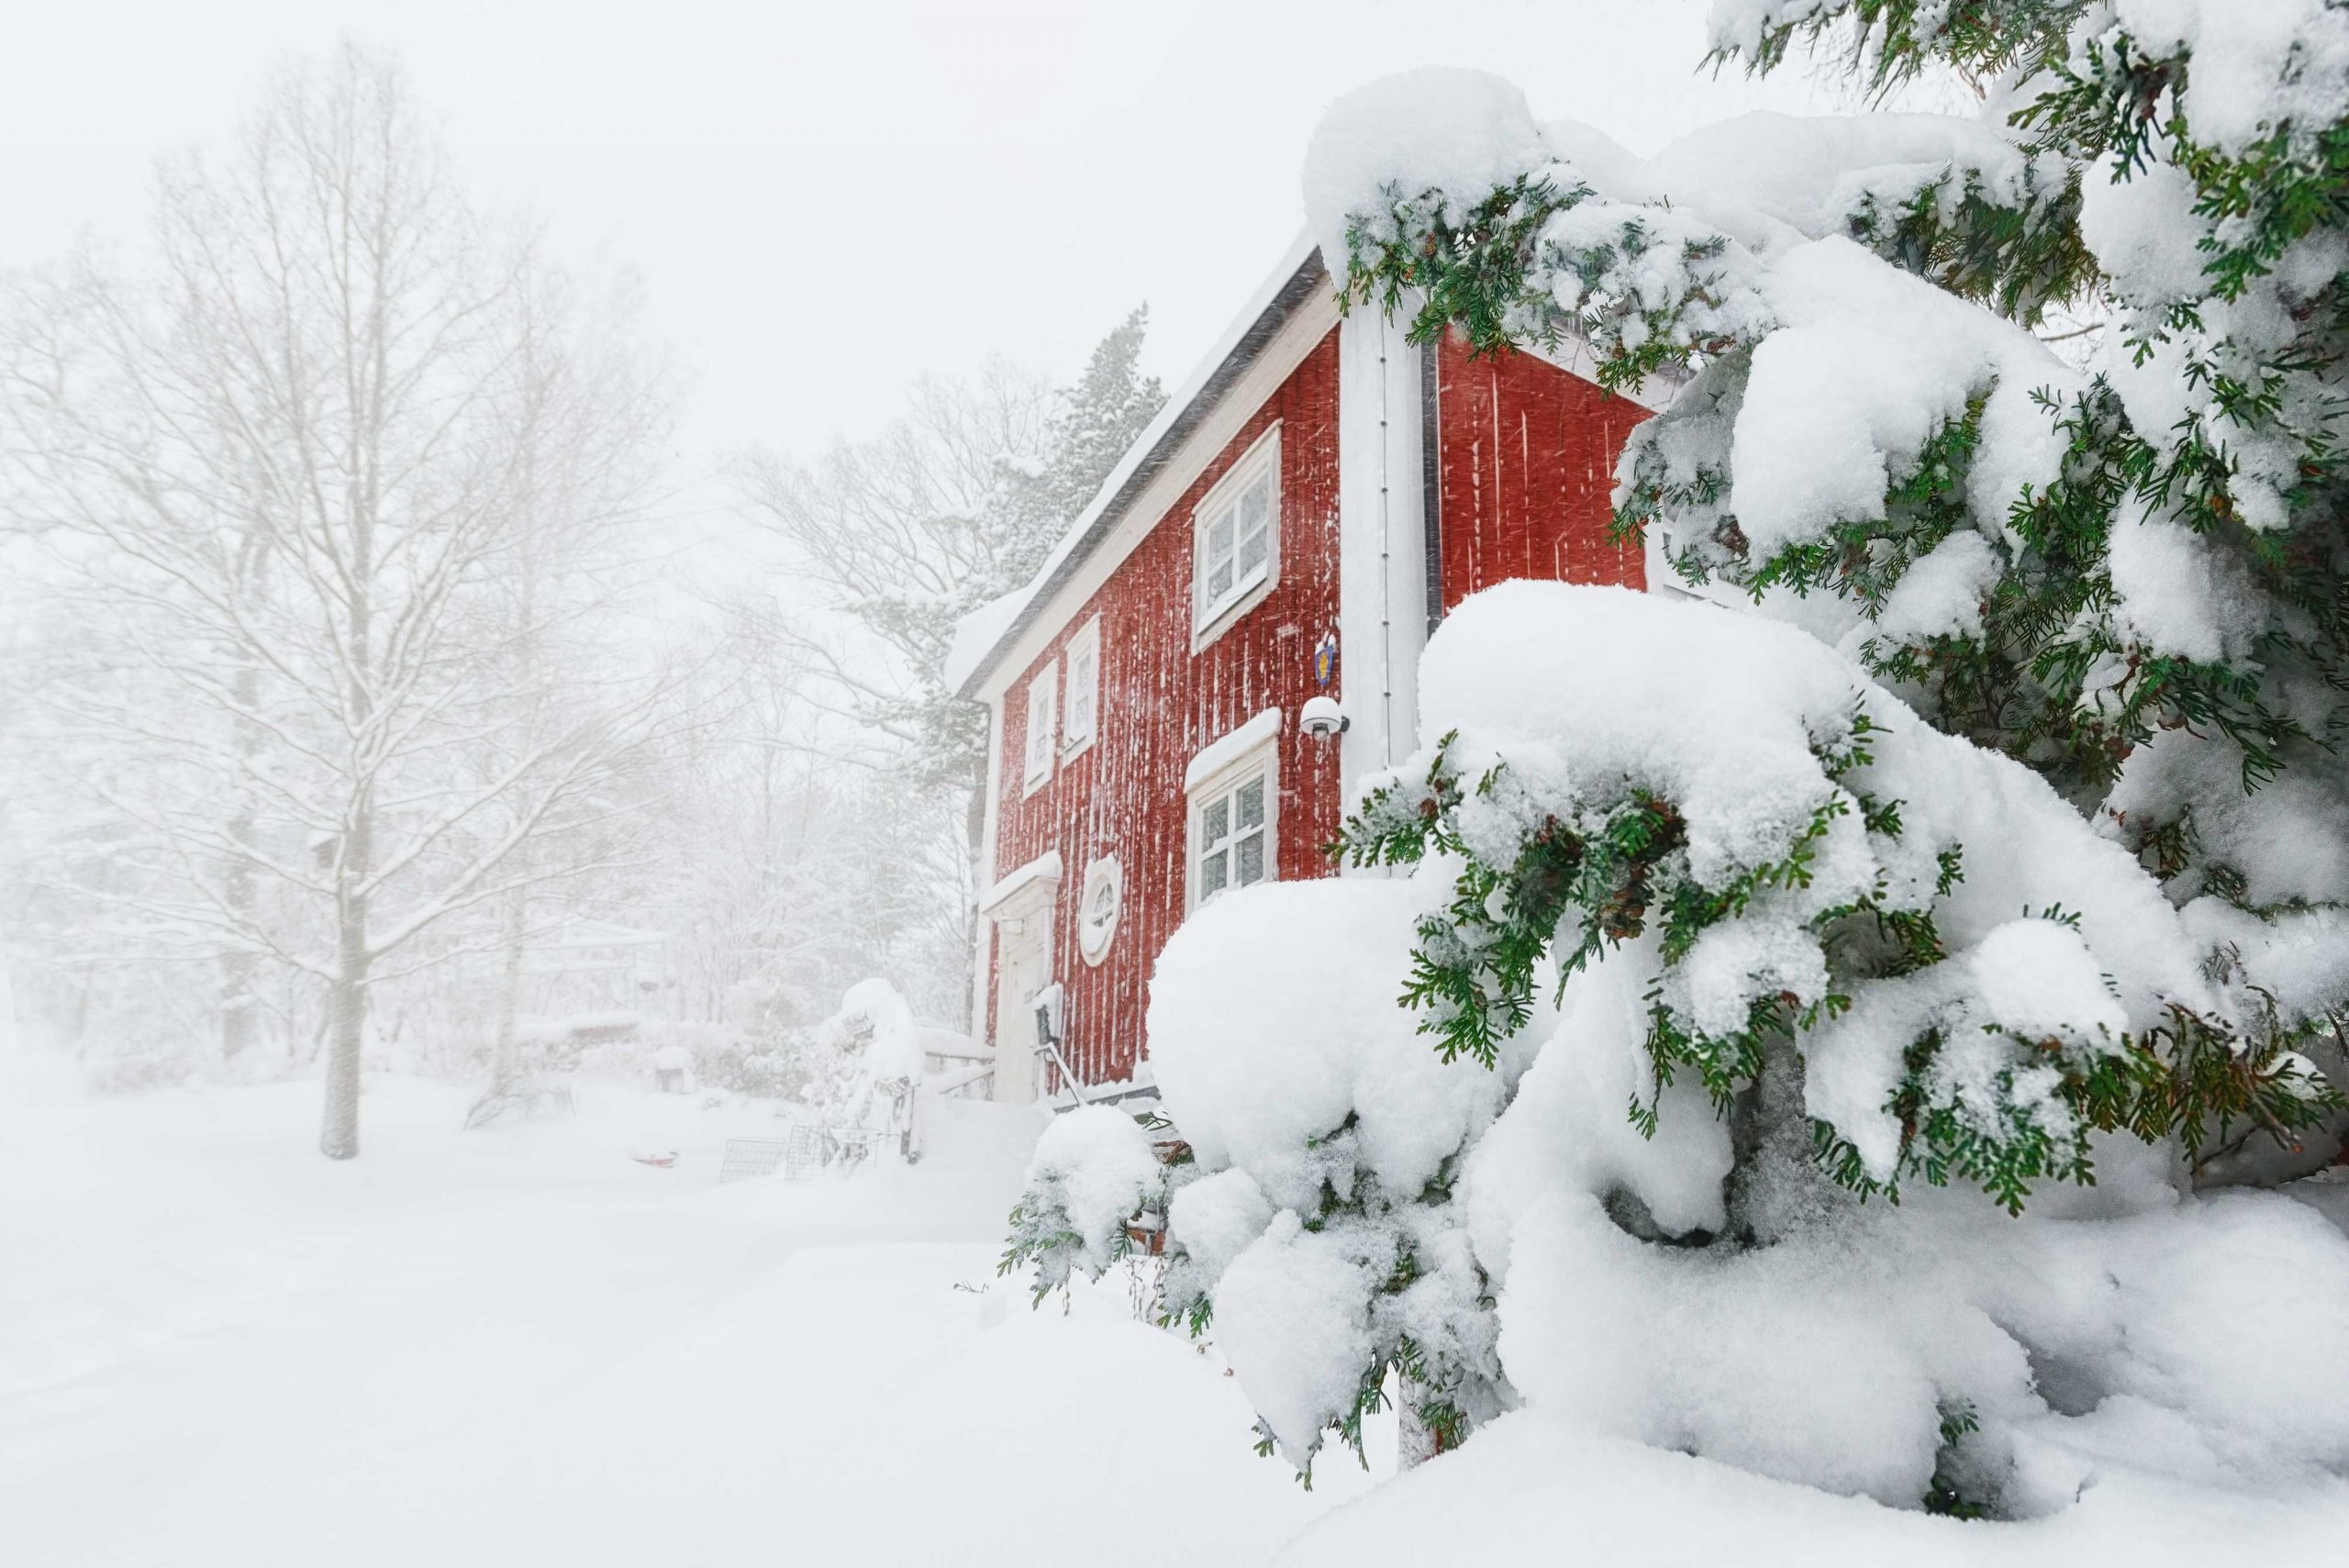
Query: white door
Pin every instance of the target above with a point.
(1025, 968)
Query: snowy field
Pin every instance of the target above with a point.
(519, 1346)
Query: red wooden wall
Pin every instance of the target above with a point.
(1160, 707)
(1526, 464)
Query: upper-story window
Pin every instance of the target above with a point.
(1236, 539)
(1043, 726)
(1081, 709)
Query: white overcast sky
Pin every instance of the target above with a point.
(823, 199)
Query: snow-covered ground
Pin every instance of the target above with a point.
(1527, 1485)
(520, 1346)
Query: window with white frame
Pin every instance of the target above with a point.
(1080, 711)
(1043, 713)
(1236, 535)
(1232, 828)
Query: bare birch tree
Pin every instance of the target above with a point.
(309, 465)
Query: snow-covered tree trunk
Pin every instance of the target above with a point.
(240, 883)
(504, 1058)
(1417, 1440)
(346, 1039)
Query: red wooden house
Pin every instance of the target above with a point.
(1290, 529)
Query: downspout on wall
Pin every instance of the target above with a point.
(1384, 585)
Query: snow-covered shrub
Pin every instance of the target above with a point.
(1825, 969)
(1796, 841)
(1328, 1140)
(1929, 936)
(763, 1069)
(852, 1068)
(1093, 1170)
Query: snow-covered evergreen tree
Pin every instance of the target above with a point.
(1987, 834)
(954, 506)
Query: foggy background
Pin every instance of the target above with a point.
(744, 353)
(823, 198)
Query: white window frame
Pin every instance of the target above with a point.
(1258, 763)
(1211, 618)
(1042, 724)
(1088, 640)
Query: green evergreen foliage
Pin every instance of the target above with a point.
(2198, 738)
(2057, 677)
(1588, 872)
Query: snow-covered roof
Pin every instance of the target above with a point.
(983, 636)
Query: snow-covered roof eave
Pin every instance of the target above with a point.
(983, 636)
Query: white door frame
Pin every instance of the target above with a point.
(1022, 921)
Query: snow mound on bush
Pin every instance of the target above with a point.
(1289, 1315)
(1094, 1167)
(1274, 1019)
(1719, 712)
(1441, 128)
(1833, 1358)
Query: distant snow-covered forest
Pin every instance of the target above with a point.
(386, 688)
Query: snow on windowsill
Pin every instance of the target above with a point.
(1221, 754)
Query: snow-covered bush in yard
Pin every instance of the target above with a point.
(854, 1066)
(1319, 1236)
(1825, 970)
(1094, 1169)
(1931, 928)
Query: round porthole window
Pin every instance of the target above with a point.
(1096, 911)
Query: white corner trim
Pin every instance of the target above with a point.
(1382, 543)
(982, 954)
(1236, 746)
(1043, 871)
